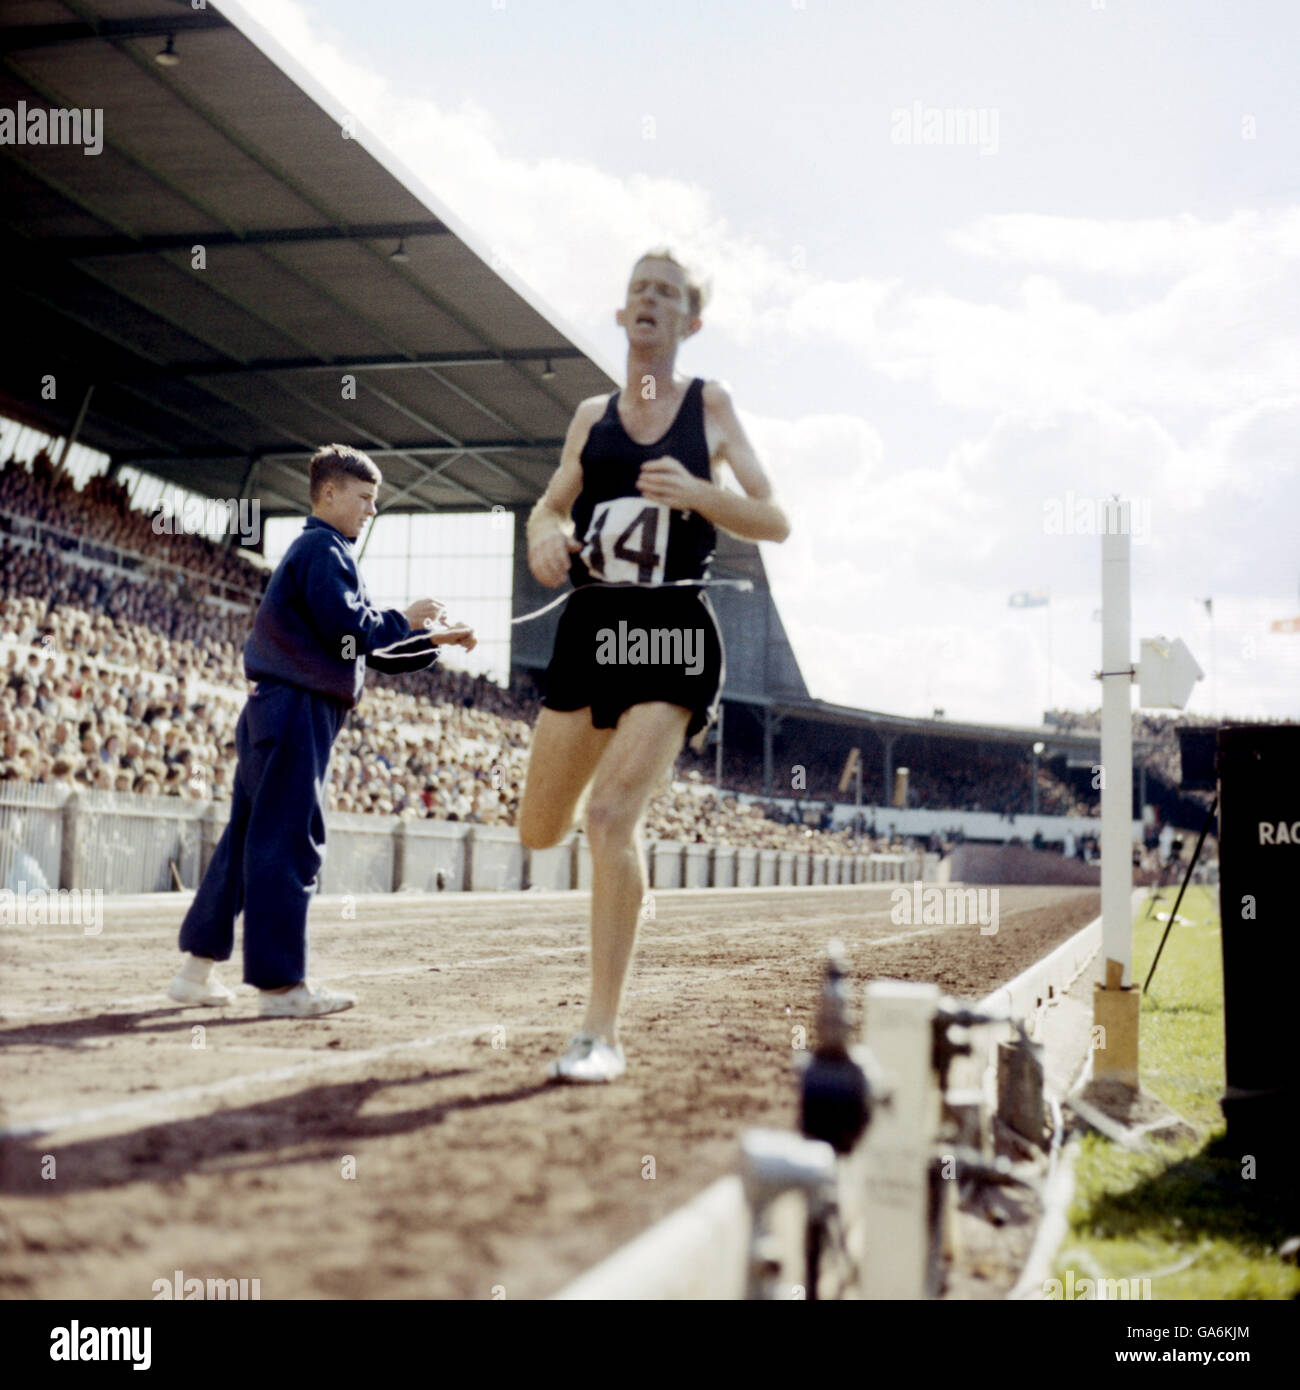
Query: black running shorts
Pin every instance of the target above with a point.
(619, 647)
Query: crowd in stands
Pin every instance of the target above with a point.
(102, 512)
(972, 781)
(112, 683)
(1160, 730)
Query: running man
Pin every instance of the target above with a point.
(638, 473)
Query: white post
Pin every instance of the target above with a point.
(1116, 1001)
(1116, 744)
(1049, 650)
(898, 1145)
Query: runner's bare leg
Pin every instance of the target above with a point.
(566, 750)
(631, 770)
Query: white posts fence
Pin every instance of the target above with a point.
(58, 837)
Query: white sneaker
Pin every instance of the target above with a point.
(303, 1001)
(209, 991)
(588, 1058)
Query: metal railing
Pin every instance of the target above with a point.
(31, 834)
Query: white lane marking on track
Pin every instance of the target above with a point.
(580, 896)
(652, 937)
(145, 1104)
(654, 933)
(9, 1015)
(187, 1094)
(47, 1124)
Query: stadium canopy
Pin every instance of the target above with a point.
(226, 379)
(300, 325)
(1057, 741)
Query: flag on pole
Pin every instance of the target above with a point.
(1024, 598)
(1285, 625)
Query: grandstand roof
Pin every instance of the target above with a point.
(225, 380)
(1057, 740)
(464, 382)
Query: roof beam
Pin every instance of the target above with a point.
(377, 362)
(416, 419)
(351, 425)
(291, 448)
(83, 248)
(192, 421)
(19, 38)
(412, 488)
(283, 174)
(336, 230)
(276, 453)
(494, 447)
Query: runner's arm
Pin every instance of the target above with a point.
(549, 540)
(753, 517)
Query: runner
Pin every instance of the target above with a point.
(638, 663)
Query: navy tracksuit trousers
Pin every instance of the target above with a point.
(268, 860)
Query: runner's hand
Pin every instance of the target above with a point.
(548, 558)
(667, 480)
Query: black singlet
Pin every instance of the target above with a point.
(623, 533)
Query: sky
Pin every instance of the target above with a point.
(974, 269)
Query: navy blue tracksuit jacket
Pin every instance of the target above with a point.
(312, 637)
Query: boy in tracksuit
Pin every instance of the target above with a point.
(312, 637)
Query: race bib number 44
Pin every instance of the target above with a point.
(627, 541)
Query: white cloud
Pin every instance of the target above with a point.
(1166, 247)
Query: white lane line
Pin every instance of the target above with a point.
(9, 1014)
(450, 904)
(649, 936)
(186, 1095)
(449, 929)
(399, 922)
(332, 1061)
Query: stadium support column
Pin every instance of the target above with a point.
(71, 437)
(887, 793)
(771, 723)
(228, 540)
(717, 757)
(1115, 1004)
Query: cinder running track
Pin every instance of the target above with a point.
(410, 1148)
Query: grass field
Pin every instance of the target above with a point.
(1196, 1218)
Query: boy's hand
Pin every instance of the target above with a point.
(453, 635)
(424, 611)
